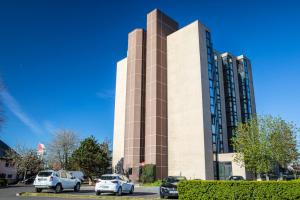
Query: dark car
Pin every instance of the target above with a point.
(168, 187)
(29, 180)
(235, 178)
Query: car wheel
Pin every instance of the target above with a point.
(119, 192)
(98, 193)
(131, 190)
(163, 196)
(38, 190)
(77, 187)
(58, 188)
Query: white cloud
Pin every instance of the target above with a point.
(50, 127)
(10, 102)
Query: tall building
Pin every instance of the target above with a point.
(183, 101)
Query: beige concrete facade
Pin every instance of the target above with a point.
(119, 117)
(189, 134)
(158, 27)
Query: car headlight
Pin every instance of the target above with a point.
(164, 189)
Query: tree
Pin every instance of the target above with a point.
(119, 169)
(25, 160)
(61, 147)
(148, 173)
(283, 142)
(91, 157)
(264, 142)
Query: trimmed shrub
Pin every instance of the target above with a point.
(156, 183)
(148, 173)
(239, 190)
(3, 182)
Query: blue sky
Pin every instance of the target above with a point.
(58, 57)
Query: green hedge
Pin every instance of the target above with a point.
(3, 182)
(239, 190)
(148, 173)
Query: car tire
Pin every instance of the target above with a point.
(163, 196)
(38, 190)
(131, 190)
(98, 193)
(119, 192)
(77, 187)
(58, 188)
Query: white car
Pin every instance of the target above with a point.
(114, 183)
(78, 174)
(56, 180)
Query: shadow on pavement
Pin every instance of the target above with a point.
(103, 194)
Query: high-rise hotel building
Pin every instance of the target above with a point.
(178, 101)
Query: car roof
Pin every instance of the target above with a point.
(48, 170)
(111, 175)
(176, 177)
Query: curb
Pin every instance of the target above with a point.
(19, 194)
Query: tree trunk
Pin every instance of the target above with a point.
(90, 181)
(25, 173)
(66, 160)
(258, 177)
(267, 177)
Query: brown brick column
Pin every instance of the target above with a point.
(135, 103)
(158, 27)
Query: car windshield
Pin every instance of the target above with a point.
(44, 174)
(108, 177)
(175, 179)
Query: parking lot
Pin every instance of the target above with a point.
(86, 192)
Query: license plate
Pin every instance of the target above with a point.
(173, 192)
(104, 186)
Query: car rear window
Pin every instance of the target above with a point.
(44, 174)
(108, 177)
(175, 179)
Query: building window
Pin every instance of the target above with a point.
(215, 99)
(225, 170)
(215, 103)
(9, 176)
(245, 97)
(2, 175)
(230, 98)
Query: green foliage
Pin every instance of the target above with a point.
(148, 173)
(3, 182)
(239, 190)
(264, 142)
(153, 184)
(91, 157)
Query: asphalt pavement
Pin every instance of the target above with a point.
(10, 192)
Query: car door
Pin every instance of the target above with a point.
(126, 183)
(121, 180)
(71, 180)
(64, 180)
